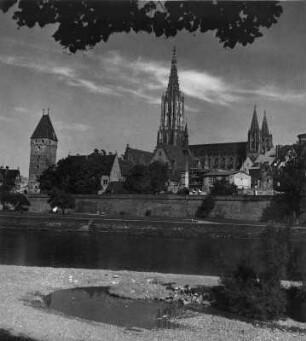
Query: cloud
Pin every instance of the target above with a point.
(147, 80)
(64, 73)
(21, 110)
(6, 119)
(78, 127)
(274, 93)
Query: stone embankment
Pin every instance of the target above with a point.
(22, 311)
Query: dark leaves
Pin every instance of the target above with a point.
(83, 24)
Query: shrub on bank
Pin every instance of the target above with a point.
(257, 293)
(243, 293)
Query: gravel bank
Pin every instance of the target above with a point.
(19, 286)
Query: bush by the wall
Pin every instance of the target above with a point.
(206, 207)
(183, 191)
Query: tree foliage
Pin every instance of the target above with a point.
(81, 24)
(223, 187)
(73, 176)
(59, 198)
(147, 179)
(290, 182)
(206, 207)
(257, 293)
(17, 200)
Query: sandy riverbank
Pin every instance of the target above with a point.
(19, 286)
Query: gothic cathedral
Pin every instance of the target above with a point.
(173, 137)
(43, 151)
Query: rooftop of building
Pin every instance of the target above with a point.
(224, 173)
(225, 148)
(137, 156)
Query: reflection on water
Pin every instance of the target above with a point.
(96, 305)
(206, 255)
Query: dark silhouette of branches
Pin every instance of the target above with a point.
(81, 24)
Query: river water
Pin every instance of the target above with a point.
(204, 256)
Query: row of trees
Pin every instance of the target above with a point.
(75, 177)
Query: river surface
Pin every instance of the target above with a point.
(204, 256)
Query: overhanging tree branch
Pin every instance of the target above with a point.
(81, 24)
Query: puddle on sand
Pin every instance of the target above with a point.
(96, 304)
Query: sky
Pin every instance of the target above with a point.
(110, 96)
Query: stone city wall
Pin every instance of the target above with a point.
(232, 207)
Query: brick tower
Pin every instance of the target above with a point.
(173, 127)
(43, 151)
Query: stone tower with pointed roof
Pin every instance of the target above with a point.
(43, 151)
(173, 127)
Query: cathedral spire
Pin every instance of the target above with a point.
(266, 137)
(172, 122)
(264, 128)
(173, 84)
(254, 135)
(254, 123)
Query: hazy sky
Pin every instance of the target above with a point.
(110, 96)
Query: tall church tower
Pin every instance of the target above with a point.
(254, 137)
(266, 136)
(173, 127)
(43, 151)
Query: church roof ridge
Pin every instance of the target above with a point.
(218, 143)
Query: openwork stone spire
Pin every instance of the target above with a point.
(173, 85)
(254, 136)
(266, 136)
(173, 129)
(264, 128)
